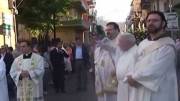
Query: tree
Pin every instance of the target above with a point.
(100, 30)
(41, 14)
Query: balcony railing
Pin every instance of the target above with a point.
(74, 23)
(78, 5)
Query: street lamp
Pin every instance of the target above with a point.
(14, 8)
(170, 5)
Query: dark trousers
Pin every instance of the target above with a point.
(11, 87)
(58, 79)
(81, 72)
(46, 78)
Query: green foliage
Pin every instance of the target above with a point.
(40, 17)
(38, 14)
(139, 34)
(35, 33)
(100, 30)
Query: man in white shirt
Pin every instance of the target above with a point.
(80, 62)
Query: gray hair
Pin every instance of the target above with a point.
(130, 37)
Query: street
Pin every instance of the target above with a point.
(71, 93)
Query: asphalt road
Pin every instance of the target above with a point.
(71, 93)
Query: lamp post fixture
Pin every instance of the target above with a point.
(15, 12)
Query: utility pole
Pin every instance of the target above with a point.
(170, 10)
(15, 25)
(15, 12)
(54, 24)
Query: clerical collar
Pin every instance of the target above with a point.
(157, 38)
(27, 56)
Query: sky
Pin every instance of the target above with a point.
(113, 10)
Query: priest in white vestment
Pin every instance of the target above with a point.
(27, 72)
(125, 64)
(3, 82)
(155, 72)
(104, 67)
(105, 58)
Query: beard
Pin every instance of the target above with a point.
(153, 29)
(111, 35)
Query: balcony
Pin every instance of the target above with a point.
(81, 5)
(5, 28)
(78, 23)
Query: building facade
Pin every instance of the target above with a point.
(76, 22)
(7, 33)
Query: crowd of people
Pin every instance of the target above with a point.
(27, 71)
(123, 70)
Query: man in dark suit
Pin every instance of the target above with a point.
(8, 60)
(57, 59)
(80, 62)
